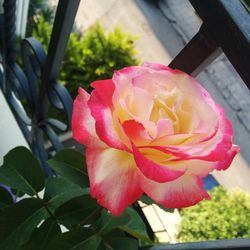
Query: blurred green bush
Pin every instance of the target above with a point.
(225, 216)
(38, 8)
(91, 56)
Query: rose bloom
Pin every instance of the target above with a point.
(151, 129)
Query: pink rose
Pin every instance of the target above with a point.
(151, 129)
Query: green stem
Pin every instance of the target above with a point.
(51, 213)
(47, 209)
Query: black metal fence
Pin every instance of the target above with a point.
(36, 84)
(226, 27)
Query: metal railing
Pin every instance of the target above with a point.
(235, 244)
(36, 84)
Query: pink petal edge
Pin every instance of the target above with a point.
(152, 170)
(182, 192)
(135, 130)
(114, 179)
(104, 122)
(223, 165)
(83, 124)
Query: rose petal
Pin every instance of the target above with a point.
(157, 66)
(142, 104)
(153, 170)
(136, 132)
(104, 122)
(137, 76)
(169, 79)
(153, 81)
(214, 149)
(217, 148)
(114, 179)
(105, 89)
(185, 191)
(137, 104)
(175, 140)
(83, 124)
(123, 81)
(164, 127)
(223, 165)
(198, 167)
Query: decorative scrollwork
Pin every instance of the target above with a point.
(34, 58)
(34, 91)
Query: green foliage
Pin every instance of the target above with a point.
(74, 172)
(5, 199)
(20, 176)
(58, 191)
(18, 221)
(108, 222)
(35, 222)
(76, 239)
(79, 210)
(43, 235)
(42, 31)
(37, 9)
(122, 243)
(95, 55)
(226, 216)
(102, 54)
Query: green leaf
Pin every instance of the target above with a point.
(42, 235)
(116, 233)
(108, 222)
(5, 198)
(58, 191)
(123, 243)
(18, 221)
(17, 193)
(135, 226)
(21, 170)
(78, 210)
(76, 239)
(70, 164)
(148, 201)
